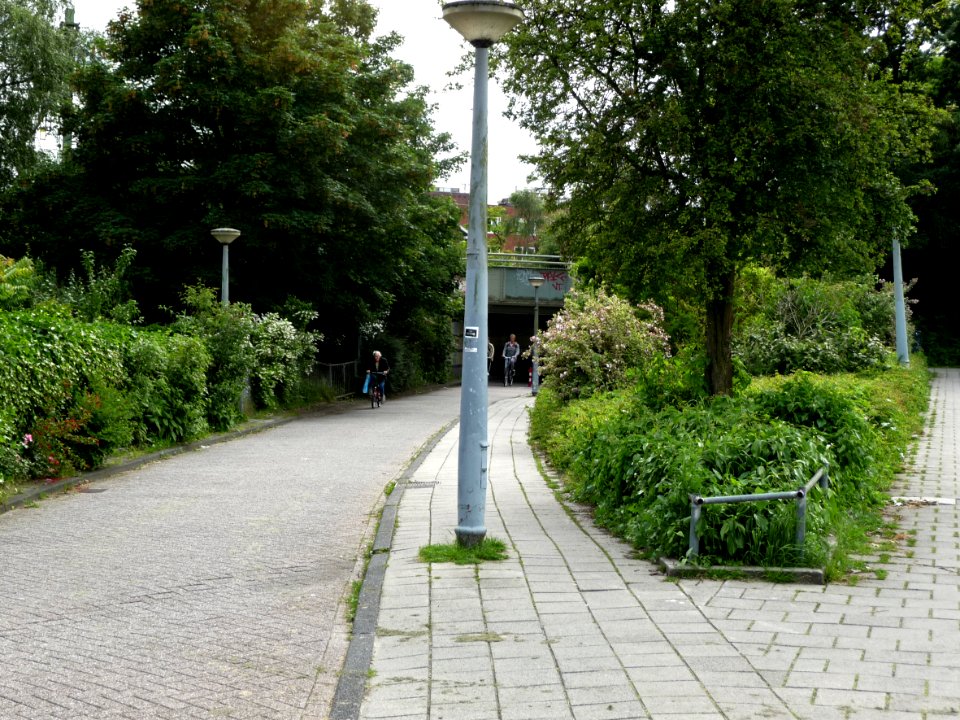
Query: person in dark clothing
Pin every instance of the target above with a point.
(378, 364)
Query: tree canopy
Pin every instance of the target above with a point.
(36, 57)
(932, 254)
(285, 119)
(687, 139)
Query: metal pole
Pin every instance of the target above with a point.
(472, 461)
(801, 533)
(225, 277)
(695, 510)
(535, 386)
(900, 312)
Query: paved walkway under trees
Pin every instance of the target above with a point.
(211, 585)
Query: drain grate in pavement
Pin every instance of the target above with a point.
(421, 484)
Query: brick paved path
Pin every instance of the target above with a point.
(208, 585)
(572, 626)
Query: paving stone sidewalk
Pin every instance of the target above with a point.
(572, 626)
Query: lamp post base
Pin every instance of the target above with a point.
(470, 537)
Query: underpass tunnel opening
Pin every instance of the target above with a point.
(501, 322)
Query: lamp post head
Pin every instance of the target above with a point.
(536, 281)
(225, 236)
(481, 22)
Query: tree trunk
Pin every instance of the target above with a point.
(719, 330)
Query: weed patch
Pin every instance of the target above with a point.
(488, 549)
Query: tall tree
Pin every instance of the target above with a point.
(689, 138)
(282, 118)
(36, 57)
(527, 218)
(933, 254)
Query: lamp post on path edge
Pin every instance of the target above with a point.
(481, 23)
(536, 281)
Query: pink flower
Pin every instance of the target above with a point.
(27, 439)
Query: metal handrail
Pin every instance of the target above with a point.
(340, 376)
(520, 260)
(800, 495)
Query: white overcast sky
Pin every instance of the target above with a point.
(433, 48)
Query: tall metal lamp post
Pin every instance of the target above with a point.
(899, 306)
(482, 23)
(225, 236)
(536, 281)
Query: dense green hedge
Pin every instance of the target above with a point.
(72, 391)
(637, 463)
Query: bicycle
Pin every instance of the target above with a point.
(509, 370)
(377, 380)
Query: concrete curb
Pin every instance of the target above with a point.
(351, 687)
(803, 576)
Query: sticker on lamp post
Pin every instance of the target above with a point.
(470, 336)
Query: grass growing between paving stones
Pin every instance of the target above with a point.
(353, 599)
(488, 549)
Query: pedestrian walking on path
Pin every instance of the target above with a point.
(573, 626)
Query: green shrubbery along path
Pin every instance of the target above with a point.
(73, 391)
(637, 452)
(637, 466)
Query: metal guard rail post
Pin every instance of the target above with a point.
(800, 495)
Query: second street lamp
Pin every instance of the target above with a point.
(225, 236)
(536, 281)
(481, 23)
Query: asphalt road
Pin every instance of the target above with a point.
(207, 585)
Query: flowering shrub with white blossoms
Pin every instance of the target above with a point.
(590, 345)
(284, 357)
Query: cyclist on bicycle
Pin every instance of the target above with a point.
(511, 351)
(378, 364)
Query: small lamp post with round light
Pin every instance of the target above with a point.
(536, 281)
(225, 236)
(481, 23)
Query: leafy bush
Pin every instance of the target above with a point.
(226, 332)
(592, 343)
(638, 464)
(804, 324)
(59, 387)
(671, 381)
(15, 466)
(72, 391)
(284, 358)
(17, 278)
(836, 415)
(167, 384)
(46, 358)
(640, 468)
(102, 293)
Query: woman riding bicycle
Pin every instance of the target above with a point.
(380, 367)
(511, 351)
